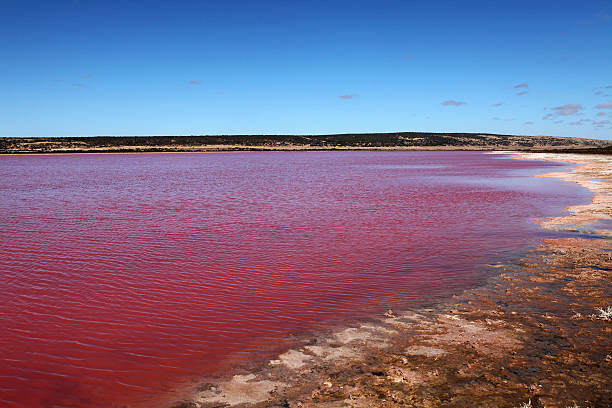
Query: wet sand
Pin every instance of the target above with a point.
(536, 335)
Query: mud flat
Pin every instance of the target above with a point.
(539, 334)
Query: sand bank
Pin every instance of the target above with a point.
(536, 334)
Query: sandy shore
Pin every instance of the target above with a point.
(537, 334)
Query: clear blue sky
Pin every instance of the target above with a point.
(87, 67)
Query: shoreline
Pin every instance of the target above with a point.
(531, 333)
(261, 150)
(254, 149)
(279, 142)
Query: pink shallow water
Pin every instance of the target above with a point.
(125, 275)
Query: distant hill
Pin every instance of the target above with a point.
(374, 141)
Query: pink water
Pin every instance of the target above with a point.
(125, 275)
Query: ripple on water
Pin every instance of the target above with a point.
(124, 275)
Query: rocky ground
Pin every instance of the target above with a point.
(537, 335)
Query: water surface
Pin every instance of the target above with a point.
(124, 275)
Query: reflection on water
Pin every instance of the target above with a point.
(124, 275)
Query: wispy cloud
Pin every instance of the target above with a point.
(528, 123)
(348, 96)
(80, 85)
(559, 121)
(522, 85)
(603, 15)
(86, 76)
(601, 123)
(496, 105)
(580, 122)
(569, 109)
(452, 102)
(600, 89)
(605, 105)
(522, 93)
(548, 116)
(195, 82)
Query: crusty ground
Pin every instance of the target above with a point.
(532, 335)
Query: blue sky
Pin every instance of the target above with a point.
(85, 67)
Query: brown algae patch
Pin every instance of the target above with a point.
(239, 390)
(537, 335)
(481, 337)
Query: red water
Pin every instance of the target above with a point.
(125, 275)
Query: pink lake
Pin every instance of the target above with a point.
(126, 275)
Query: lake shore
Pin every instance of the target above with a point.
(536, 334)
(349, 141)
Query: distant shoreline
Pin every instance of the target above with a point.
(591, 150)
(248, 143)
